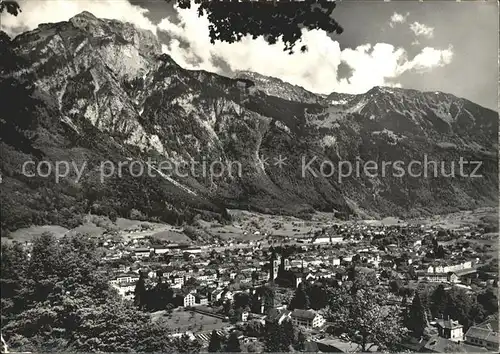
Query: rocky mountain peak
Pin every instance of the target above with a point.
(82, 18)
(59, 51)
(87, 22)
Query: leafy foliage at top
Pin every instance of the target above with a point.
(12, 7)
(232, 20)
(215, 344)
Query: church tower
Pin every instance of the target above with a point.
(275, 266)
(285, 264)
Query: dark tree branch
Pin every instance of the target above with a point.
(232, 20)
(11, 6)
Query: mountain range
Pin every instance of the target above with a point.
(91, 90)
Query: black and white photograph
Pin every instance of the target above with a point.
(273, 176)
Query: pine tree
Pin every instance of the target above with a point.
(272, 342)
(161, 295)
(288, 335)
(317, 296)
(13, 279)
(215, 344)
(233, 343)
(459, 306)
(140, 292)
(440, 253)
(301, 299)
(435, 244)
(438, 301)
(416, 320)
(301, 341)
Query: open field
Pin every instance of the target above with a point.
(389, 221)
(128, 224)
(492, 244)
(185, 321)
(459, 220)
(89, 228)
(489, 242)
(172, 236)
(96, 226)
(29, 233)
(252, 226)
(246, 224)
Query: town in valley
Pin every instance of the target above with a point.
(262, 271)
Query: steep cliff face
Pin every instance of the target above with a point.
(96, 90)
(84, 63)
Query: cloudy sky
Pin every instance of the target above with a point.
(435, 45)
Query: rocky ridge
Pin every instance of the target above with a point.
(96, 89)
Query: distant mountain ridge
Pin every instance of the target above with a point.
(276, 87)
(92, 90)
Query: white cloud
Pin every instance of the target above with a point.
(422, 30)
(316, 70)
(429, 58)
(255, 55)
(398, 18)
(35, 12)
(371, 66)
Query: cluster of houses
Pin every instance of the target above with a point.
(483, 337)
(202, 277)
(442, 273)
(315, 260)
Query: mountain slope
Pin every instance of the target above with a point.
(97, 90)
(275, 87)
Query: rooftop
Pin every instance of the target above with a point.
(304, 314)
(443, 345)
(448, 324)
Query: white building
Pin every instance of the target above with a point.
(347, 258)
(178, 280)
(450, 329)
(216, 295)
(307, 318)
(125, 278)
(140, 253)
(336, 261)
(160, 249)
(189, 300)
(126, 291)
(228, 295)
(449, 268)
(321, 240)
